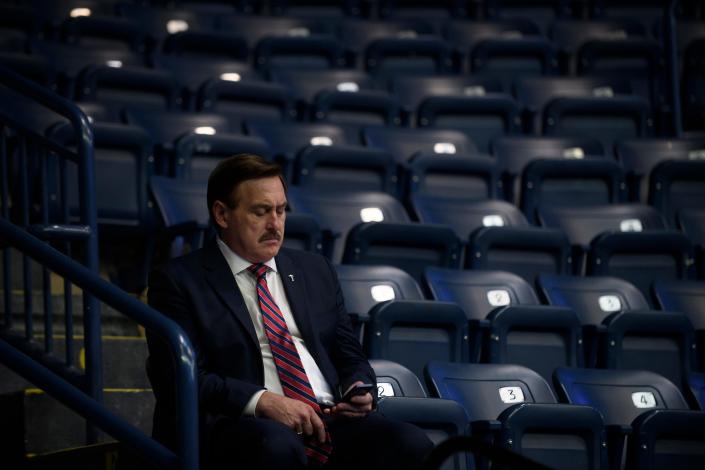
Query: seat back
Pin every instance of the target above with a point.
(677, 185)
(405, 143)
(408, 246)
(538, 337)
(413, 333)
(479, 292)
(395, 380)
(366, 286)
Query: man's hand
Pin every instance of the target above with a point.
(358, 406)
(292, 413)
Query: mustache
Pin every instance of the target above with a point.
(273, 235)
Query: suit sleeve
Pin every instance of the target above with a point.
(348, 357)
(217, 394)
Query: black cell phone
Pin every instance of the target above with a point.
(359, 389)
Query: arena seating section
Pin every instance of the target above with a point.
(516, 216)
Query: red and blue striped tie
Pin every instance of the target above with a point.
(292, 374)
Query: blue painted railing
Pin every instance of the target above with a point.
(35, 211)
(72, 396)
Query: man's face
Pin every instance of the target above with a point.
(254, 229)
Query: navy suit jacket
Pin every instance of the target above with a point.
(199, 292)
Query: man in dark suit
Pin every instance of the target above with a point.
(275, 350)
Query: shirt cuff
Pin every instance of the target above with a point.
(251, 406)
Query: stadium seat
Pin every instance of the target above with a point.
(395, 380)
(427, 9)
(513, 153)
(414, 332)
(481, 118)
(464, 217)
(358, 109)
(465, 35)
(406, 143)
(692, 223)
(389, 57)
(456, 178)
(677, 185)
(654, 340)
(439, 418)
(697, 387)
(514, 407)
(206, 45)
(345, 168)
(687, 297)
(196, 155)
(524, 251)
(548, 183)
(541, 12)
(250, 99)
(356, 34)
(535, 336)
(583, 224)
(623, 396)
(593, 299)
(255, 28)
(641, 257)
(478, 293)
(338, 212)
(104, 32)
(658, 445)
(315, 52)
(640, 156)
(303, 233)
(408, 246)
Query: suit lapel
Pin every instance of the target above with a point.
(295, 287)
(221, 279)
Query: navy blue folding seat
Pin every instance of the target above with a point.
(465, 216)
(440, 419)
(388, 57)
(406, 143)
(646, 12)
(654, 340)
(251, 99)
(640, 156)
(677, 185)
(366, 286)
(286, 140)
(184, 212)
(693, 76)
(337, 212)
(625, 396)
(541, 12)
(315, 9)
(593, 299)
(194, 72)
(357, 109)
(478, 293)
(513, 153)
(205, 45)
(306, 84)
(396, 380)
(120, 88)
(454, 177)
(658, 445)
(583, 224)
(514, 407)
(342, 168)
(356, 34)
(482, 118)
(412, 90)
(548, 183)
(303, 233)
(425, 9)
(524, 251)
(316, 52)
(126, 218)
(641, 257)
(196, 155)
(105, 32)
(414, 332)
(69, 60)
(254, 28)
(536, 336)
(408, 246)
(536, 93)
(687, 297)
(160, 22)
(465, 35)
(692, 223)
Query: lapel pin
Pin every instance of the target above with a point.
(291, 276)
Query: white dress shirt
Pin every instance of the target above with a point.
(247, 284)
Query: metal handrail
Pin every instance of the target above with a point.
(180, 347)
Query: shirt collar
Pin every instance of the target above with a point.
(236, 262)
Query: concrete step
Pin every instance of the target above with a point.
(42, 424)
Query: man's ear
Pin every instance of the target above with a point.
(220, 214)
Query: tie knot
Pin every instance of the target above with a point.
(258, 269)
